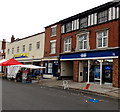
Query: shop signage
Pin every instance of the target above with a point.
(21, 55)
(90, 54)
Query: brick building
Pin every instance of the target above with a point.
(52, 50)
(89, 41)
(85, 46)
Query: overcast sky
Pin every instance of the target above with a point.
(23, 18)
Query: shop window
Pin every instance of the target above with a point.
(50, 67)
(67, 44)
(102, 39)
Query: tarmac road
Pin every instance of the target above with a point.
(19, 96)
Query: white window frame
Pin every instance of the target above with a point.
(68, 27)
(78, 41)
(38, 45)
(23, 48)
(67, 46)
(53, 32)
(102, 37)
(30, 47)
(50, 65)
(12, 50)
(84, 22)
(52, 49)
(63, 29)
(117, 12)
(18, 49)
(102, 17)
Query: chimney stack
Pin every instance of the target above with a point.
(12, 38)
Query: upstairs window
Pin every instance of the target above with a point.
(53, 46)
(102, 39)
(83, 22)
(102, 16)
(38, 45)
(23, 48)
(82, 42)
(75, 24)
(12, 50)
(63, 29)
(8, 51)
(53, 30)
(69, 27)
(67, 44)
(17, 49)
(30, 47)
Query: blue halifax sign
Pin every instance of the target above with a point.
(91, 54)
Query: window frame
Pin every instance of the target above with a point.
(101, 15)
(18, 49)
(30, 47)
(103, 37)
(51, 48)
(53, 30)
(38, 45)
(68, 44)
(23, 48)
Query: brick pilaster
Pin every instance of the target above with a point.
(75, 70)
(115, 73)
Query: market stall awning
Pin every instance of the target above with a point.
(9, 62)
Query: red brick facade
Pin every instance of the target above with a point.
(112, 35)
(115, 73)
(48, 38)
(75, 70)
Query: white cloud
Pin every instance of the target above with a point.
(27, 17)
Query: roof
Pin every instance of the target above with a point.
(93, 10)
(29, 36)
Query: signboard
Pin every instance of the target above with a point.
(21, 55)
(90, 54)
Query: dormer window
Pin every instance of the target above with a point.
(69, 27)
(103, 16)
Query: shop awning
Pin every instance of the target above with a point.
(29, 66)
(10, 62)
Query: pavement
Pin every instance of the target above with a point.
(93, 88)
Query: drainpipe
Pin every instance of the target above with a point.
(119, 48)
(59, 77)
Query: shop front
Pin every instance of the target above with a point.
(93, 66)
(52, 67)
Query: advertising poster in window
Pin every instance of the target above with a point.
(97, 72)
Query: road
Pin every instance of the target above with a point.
(19, 96)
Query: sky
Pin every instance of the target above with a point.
(23, 18)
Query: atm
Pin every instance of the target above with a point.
(107, 73)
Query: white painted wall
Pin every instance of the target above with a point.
(67, 68)
(36, 53)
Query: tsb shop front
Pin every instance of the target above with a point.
(93, 66)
